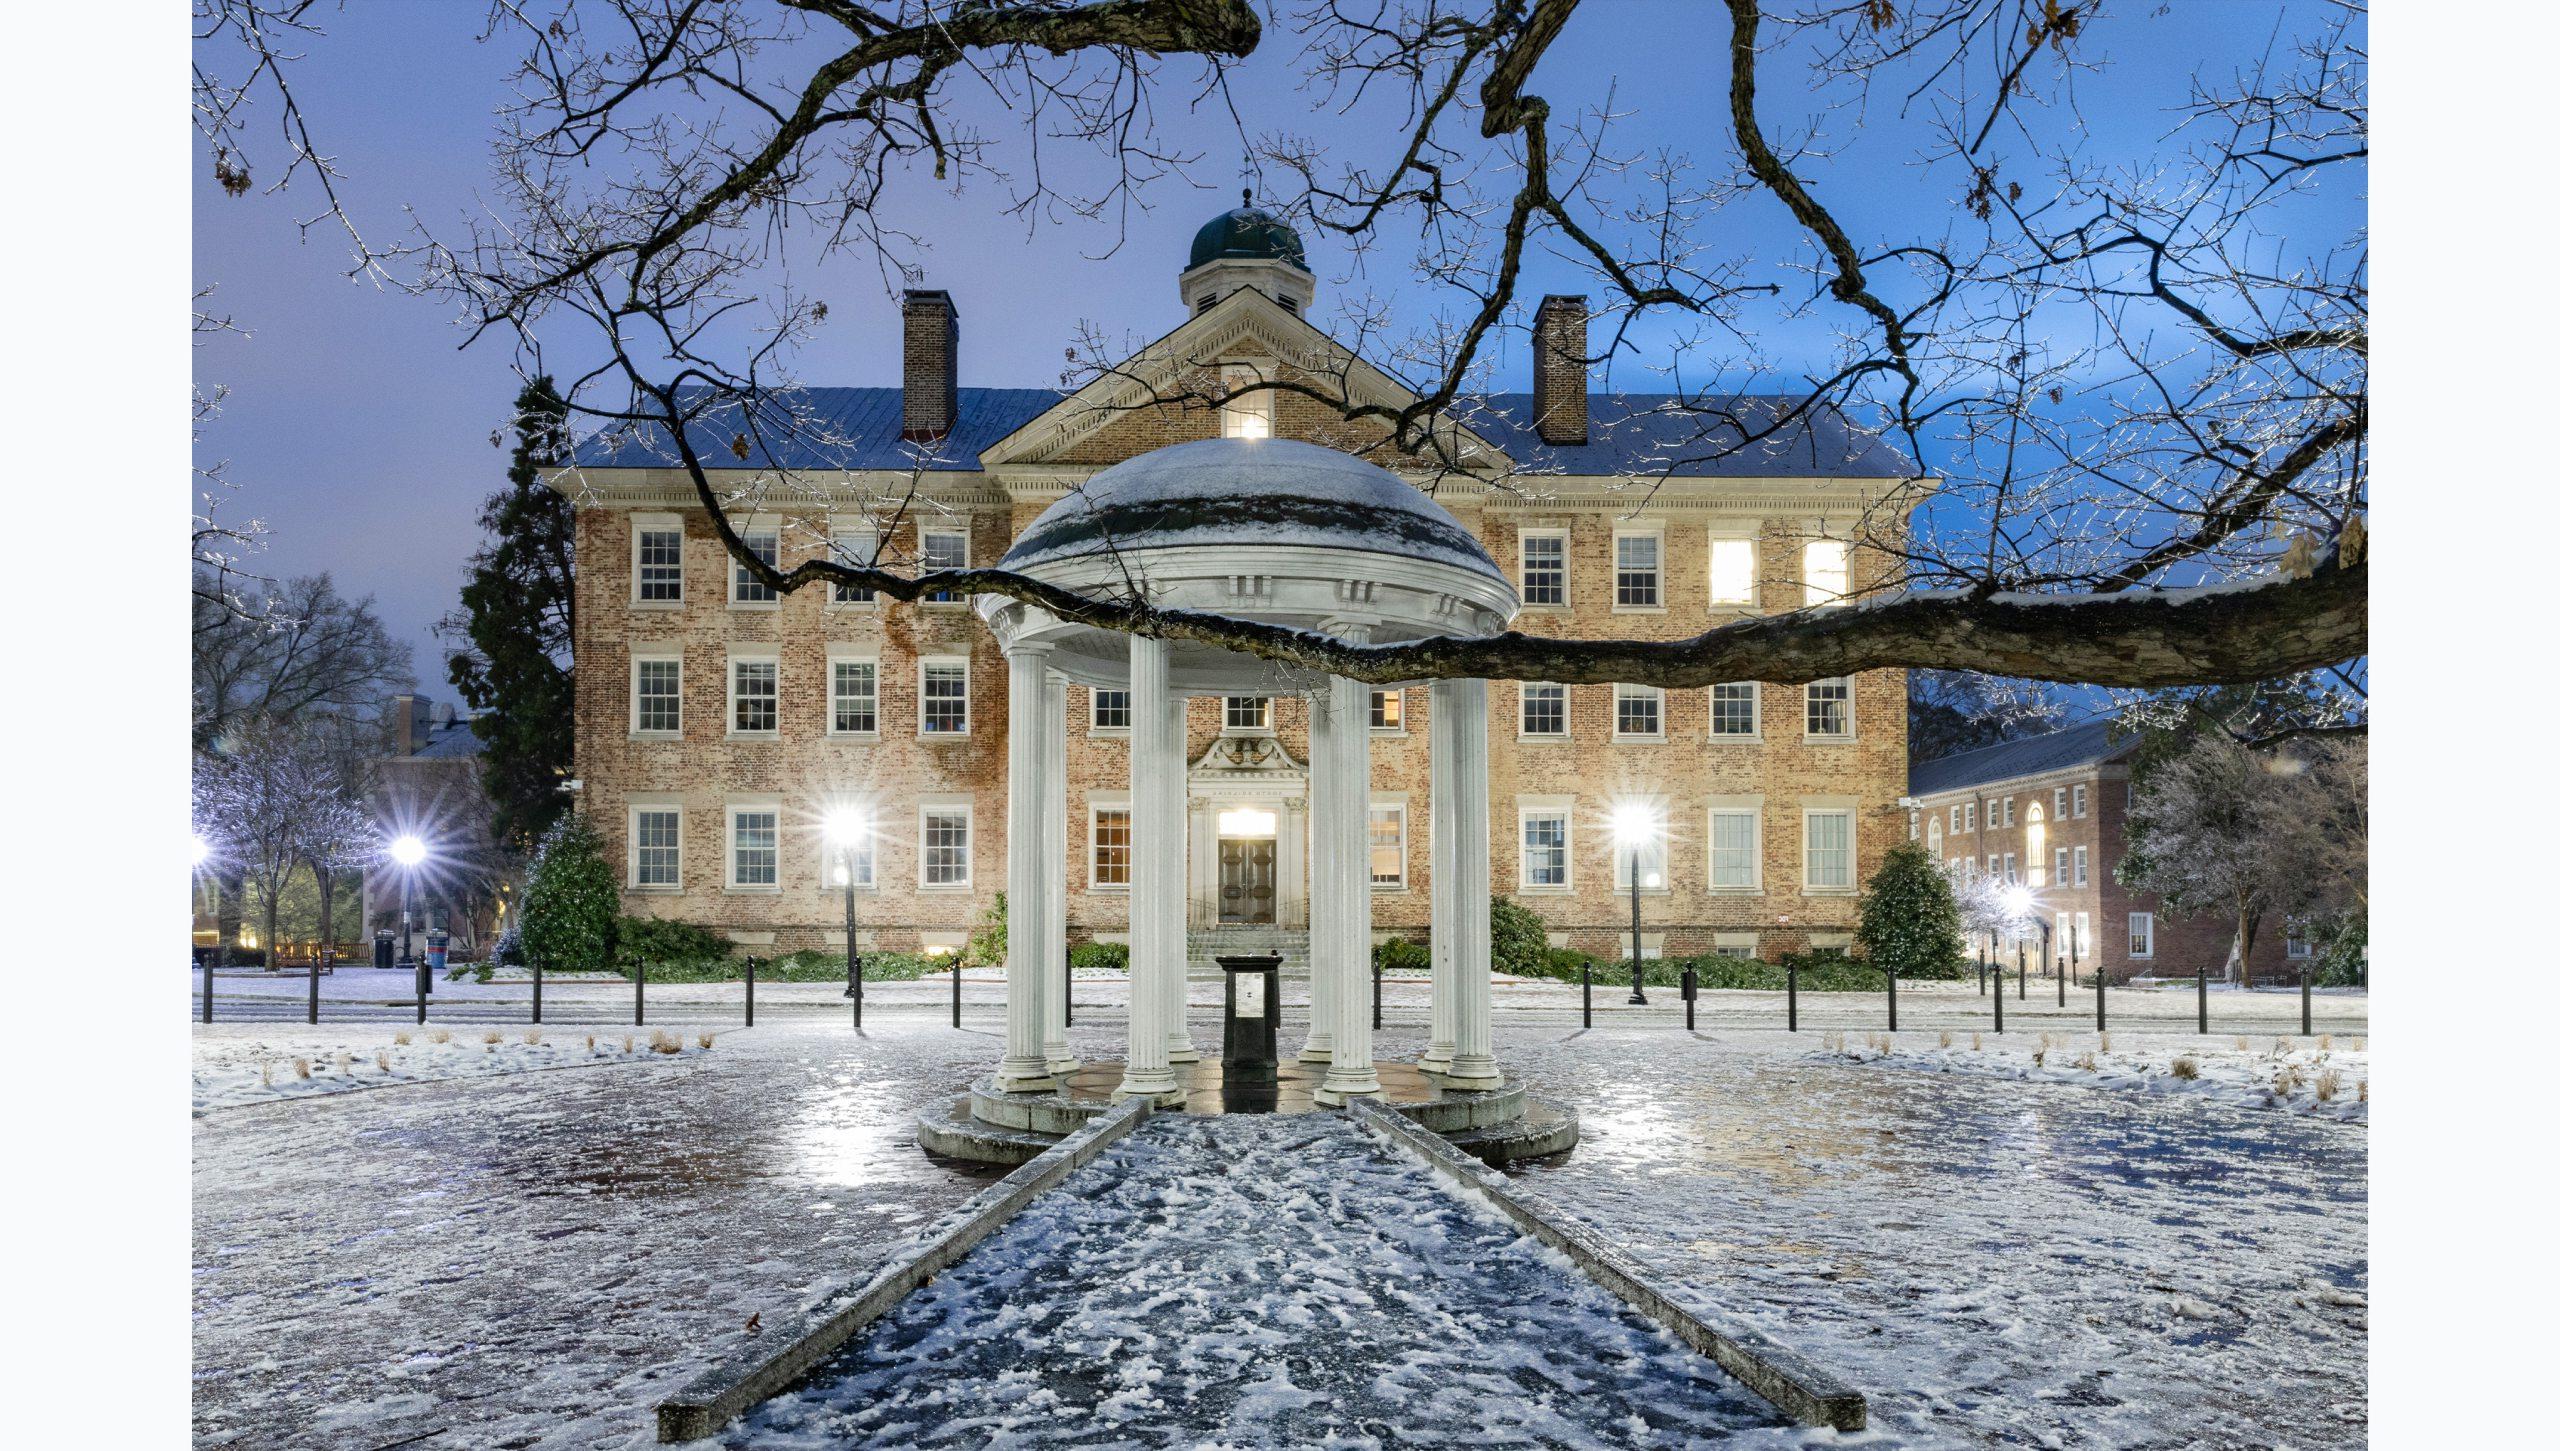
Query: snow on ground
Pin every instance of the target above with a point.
(237, 1066)
(1263, 1282)
(2289, 1074)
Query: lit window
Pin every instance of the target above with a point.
(859, 549)
(1733, 571)
(1829, 862)
(1111, 846)
(1386, 848)
(1248, 713)
(1111, 710)
(1937, 838)
(1639, 571)
(2035, 844)
(1733, 709)
(1542, 849)
(744, 588)
(2137, 935)
(946, 698)
(853, 698)
(754, 847)
(1733, 850)
(755, 697)
(945, 549)
(1826, 572)
(658, 565)
(2079, 866)
(1245, 415)
(1542, 568)
(945, 838)
(657, 697)
(657, 846)
(1639, 711)
(1829, 710)
(1386, 710)
(1542, 710)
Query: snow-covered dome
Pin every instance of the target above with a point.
(1250, 232)
(1268, 529)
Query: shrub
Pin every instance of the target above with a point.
(509, 949)
(665, 942)
(1099, 955)
(570, 897)
(1519, 938)
(1908, 921)
(1396, 954)
(987, 944)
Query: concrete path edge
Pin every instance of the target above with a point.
(724, 1392)
(1799, 1389)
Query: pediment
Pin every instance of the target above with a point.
(1249, 755)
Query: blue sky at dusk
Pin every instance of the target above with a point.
(361, 434)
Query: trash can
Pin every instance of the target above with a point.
(436, 944)
(385, 953)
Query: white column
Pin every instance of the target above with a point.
(1053, 878)
(1157, 917)
(1467, 862)
(1026, 1060)
(1320, 993)
(1444, 886)
(1176, 986)
(1341, 906)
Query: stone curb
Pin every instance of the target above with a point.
(726, 1391)
(1800, 1390)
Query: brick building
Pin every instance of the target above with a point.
(2048, 813)
(716, 723)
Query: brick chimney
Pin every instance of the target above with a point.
(1563, 397)
(932, 379)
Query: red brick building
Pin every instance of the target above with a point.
(716, 723)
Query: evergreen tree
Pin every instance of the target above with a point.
(1907, 922)
(516, 624)
(570, 899)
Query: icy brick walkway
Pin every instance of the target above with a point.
(1262, 1282)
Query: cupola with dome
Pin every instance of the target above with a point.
(1249, 246)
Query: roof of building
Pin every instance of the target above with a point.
(451, 740)
(2087, 744)
(1248, 231)
(1256, 492)
(1631, 433)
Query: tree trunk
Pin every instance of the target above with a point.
(2235, 967)
(230, 883)
(268, 940)
(328, 933)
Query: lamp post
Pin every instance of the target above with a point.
(408, 851)
(200, 850)
(849, 829)
(1637, 828)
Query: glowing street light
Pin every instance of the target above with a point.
(1637, 827)
(408, 851)
(849, 828)
(199, 849)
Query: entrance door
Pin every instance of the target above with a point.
(1248, 879)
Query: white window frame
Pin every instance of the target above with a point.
(926, 534)
(1227, 716)
(1820, 573)
(1736, 944)
(749, 533)
(1096, 806)
(1724, 544)
(2061, 803)
(1848, 732)
(1540, 808)
(1618, 538)
(2079, 801)
(2138, 936)
(771, 658)
(661, 656)
(1759, 847)
(836, 696)
(1395, 805)
(1937, 839)
(2297, 948)
(966, 809)
(1395, 727)
(730, 812)
(1564, 711)
(633, 810)
(858, 546)
(1254, 415)
(1093, 713)
(645, 524)
(2061, 866)
(1563, 540)
(1621, 694)
(1804, 852)
(1758, 713)
(2080, 866)
(925, 666)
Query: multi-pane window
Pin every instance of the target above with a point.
(745, 588)
(1826, 571)
(657, 837)
(2080, 934)
(657, 696)
(1386, 847)
(944, 549)
(755, 840)
(2009, 867)
(1733, 708)
(1733, 571)
(1733, 849)
(2079, 866)
(1542, 569)
(1111, 846)
(1542, 849)
(1248, 713)
(946, 698)
(1542, 710)
(1644, 862)
(2080, 800)
(853, 697)
(1968, 816)
(1639, 710)
(1245, 414)
(2062, 866)
(1386, 710)
(2061, 802)
(1828, 860)
(860, 549)
(945, 838)
(2137, 934)
(1111, 710)
(658, 564)
(1639, 571)
(1937, 838)
(2297, 939)
(755, 697)
(1830, 710)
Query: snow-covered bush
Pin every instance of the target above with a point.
(1908, 923)
(570, 898)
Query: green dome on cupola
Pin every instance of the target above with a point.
(1248, 232)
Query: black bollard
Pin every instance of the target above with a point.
(208, 985)
(1791, 997)
(2102, 999)
(1068, 994)
(2306, 1000)
(1586, 995)
(1999, 1023)
(2058, 987)
(751, 990)
(1689, 994)
(422, 990)
(312, 1014)
(640, 993)
(537, 991)
(1892, 1005)
(955, 998)
(2022, 971)
(2200, 1013)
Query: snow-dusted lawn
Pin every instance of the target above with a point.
(2294, 1075)
(248, 1064)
